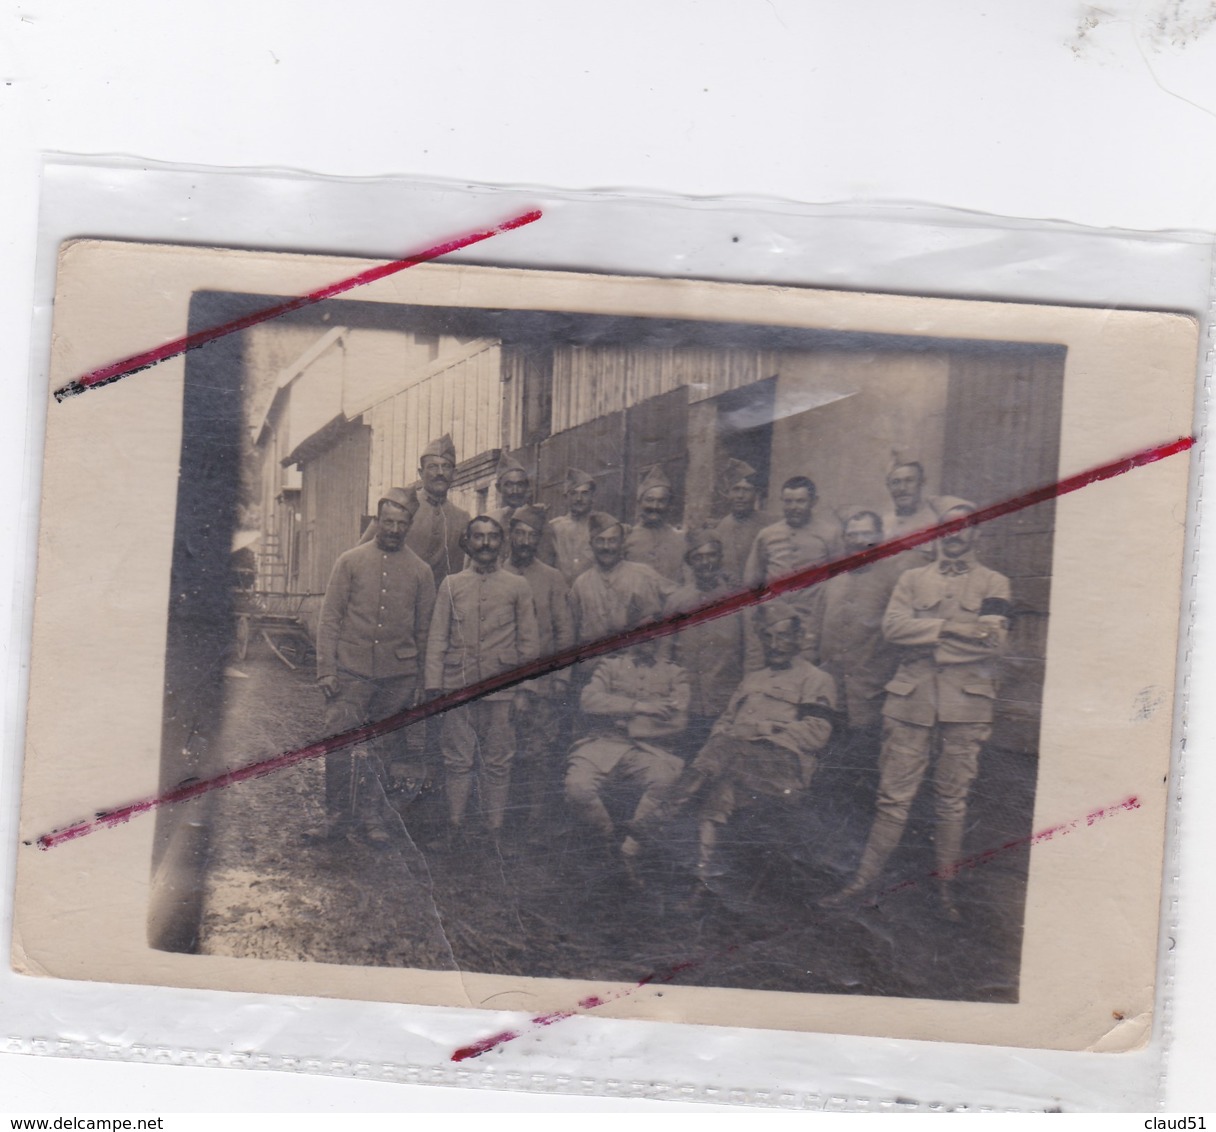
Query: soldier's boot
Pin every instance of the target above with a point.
(458, 787)
(325, 832)
(378, 816)
(707, 841)
(630, 853)
(948, 843)
(494, 796)
(700, 897)
(885, 835)
(671, 801)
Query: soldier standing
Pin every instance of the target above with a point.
(712, 652)
(949, 620)
(654, 541)
(739, 527)
(537, 773)
(784, 548)
(572, 532)
(613, 594)
(515, 491)
(440, 526)
(435, 537)
(846, 633)
(910, 510)
(484, 624)
(370, 643)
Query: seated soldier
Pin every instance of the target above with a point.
(638, 704)
(764, 744)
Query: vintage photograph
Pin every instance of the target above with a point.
(920, 793)
(411, 500)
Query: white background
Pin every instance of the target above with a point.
(1037, 108)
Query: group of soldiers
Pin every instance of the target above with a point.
(893, 659)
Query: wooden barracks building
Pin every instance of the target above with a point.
(348, 417)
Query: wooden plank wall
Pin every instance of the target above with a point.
(595, 381)
(1003, 438)
(333, 503)
(463, 399)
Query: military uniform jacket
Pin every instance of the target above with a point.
(943, 679)
(573, 542)
(484, 624)
(796, 699)
(712, 652)
(554, 619)
(781, 550)
(660, 548)
(376, 614)
(738, 536)
(605, 603)
(546, 551)
(619, 683)
(847, 638)
(435, 536)
(894, 525)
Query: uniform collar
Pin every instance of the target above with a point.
(956, 566)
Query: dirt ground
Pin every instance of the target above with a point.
(553, 908)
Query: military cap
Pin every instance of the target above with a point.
(404, 497)
(600, 521)
(905, 458)
(442, 447)
(701, 536)
(737, 472)
(943, 503)
(576, 477)
(508, 463)
(654, 478)
(532, 515)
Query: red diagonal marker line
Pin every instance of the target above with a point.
(115, 371)
(673, 624)
(667, 974)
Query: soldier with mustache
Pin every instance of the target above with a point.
(949, 620)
